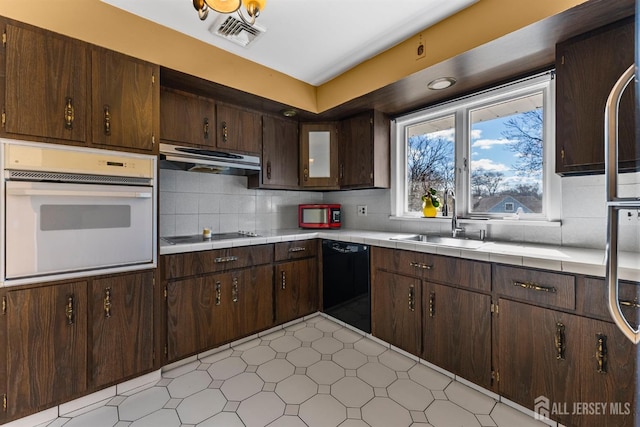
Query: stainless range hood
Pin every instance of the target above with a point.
(203, 160)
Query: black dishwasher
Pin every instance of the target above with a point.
(345, 272)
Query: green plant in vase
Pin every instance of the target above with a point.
(430, 203)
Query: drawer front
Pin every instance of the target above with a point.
(596, 300)
(460, 272)
(194, 263)
(540, 287)
(437, 268)
(295, 250)
(409, 263)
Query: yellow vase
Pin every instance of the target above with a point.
(428, 210)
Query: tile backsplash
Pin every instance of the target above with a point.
(190, 201)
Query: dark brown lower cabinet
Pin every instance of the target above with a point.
(252, 297)
(457, 331)
(609, 374)
(121, 327)
(46, 346)
(396, 310)
(537, 354)
(296, 289)
(585, 368)
(206, 311)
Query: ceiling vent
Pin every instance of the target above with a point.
(233, 29)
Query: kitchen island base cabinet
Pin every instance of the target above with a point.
(46, 346)
(121, 332)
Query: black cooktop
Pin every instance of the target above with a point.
(197, 238)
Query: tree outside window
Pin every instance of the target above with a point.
(430, 160)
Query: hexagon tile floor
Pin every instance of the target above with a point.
(315, 373)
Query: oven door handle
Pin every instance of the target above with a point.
(71, 193)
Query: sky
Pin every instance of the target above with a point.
(490, 150)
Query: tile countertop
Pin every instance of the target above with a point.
(559, 258)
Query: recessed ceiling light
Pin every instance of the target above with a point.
(289, 112)
(441, 83)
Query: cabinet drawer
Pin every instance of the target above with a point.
(437, 268)
(554, 289)
(194, 263)
(460, 272)
(596, 300)
(399, 261)
(297, 249)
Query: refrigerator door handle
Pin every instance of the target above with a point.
(614, 203)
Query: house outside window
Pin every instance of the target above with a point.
(493, 150)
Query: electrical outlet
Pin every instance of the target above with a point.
(362, 210)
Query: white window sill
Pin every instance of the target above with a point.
(494, 221)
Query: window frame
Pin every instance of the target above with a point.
(461, 108)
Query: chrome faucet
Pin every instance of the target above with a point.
(455, 230)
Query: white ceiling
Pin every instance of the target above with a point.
(310, 40)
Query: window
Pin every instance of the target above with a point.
(493, 150)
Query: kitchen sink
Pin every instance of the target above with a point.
(456, 242)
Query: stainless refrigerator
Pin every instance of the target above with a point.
(619, 202)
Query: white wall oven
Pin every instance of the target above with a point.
(72, 211)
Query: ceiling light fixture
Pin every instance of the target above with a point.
(253, 8)
(441, 83)
(288, 112)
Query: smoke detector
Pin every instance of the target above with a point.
(235, 30)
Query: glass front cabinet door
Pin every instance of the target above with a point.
(319, 155)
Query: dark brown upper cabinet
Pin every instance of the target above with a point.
(280, 148)
(187, 119)
(46, 92)
(587, 67)
(319, 156)
(238, 129)
(364, 151)
(124, 100)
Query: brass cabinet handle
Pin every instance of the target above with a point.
(601, 353)
(432, 304)
(297, 249)
(68, 310)
(225, 132)
(218, 292)
(107, 121)
(420, 265)
(284, 280)
(234, 290)
(205, 128)
(226, 259)
(412, 298)
(627, 303)
(305, 173)
(269, 169)
(68, 113)
(560, 341)
(107, 302)
(535, 287)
